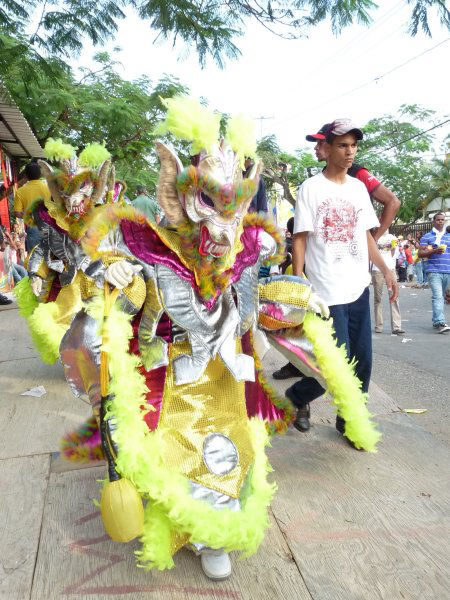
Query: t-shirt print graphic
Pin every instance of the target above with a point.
(336, 225)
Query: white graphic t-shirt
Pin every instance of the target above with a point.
(336, 218)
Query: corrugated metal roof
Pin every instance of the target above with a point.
(15, 133)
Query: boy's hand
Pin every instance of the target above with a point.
(392, 285)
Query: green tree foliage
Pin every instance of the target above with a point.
(59, 27)
(100, 106)
(439, 183)
(287, 170)
(393, 149)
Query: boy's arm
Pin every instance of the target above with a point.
(377, 259)
(298, 253)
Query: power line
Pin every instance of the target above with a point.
(408, 139)
(374, 80)
(365, 33)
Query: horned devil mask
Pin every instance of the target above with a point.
(78, 183)
(212, 193)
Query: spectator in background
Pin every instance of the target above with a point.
(435, 247)
(418, 265)
(18, 239)
(333, 219)
(17, 271)
(410, 261)
(33, 190)
(402, 263)
(286, 266)
(258, 203)
(387, 246)
(3, 299)
(147, 206)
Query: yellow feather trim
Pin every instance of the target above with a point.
(56, 150)
(343, 385)
(188, 120)
(242, 137)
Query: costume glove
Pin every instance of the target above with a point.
(317, 305)
(120, 274)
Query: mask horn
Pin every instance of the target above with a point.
(167, 194)
(49, 175)
(102, 178)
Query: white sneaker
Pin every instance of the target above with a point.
(216, 565)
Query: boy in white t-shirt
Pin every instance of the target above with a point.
(333, 219)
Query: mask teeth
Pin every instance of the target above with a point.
(77, 210)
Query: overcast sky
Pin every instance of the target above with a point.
(305, 83)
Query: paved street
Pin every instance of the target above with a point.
(415, 368)
(345, 525)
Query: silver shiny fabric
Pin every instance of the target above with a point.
(246, 290)
(61, 254)
(220, 454)
(307, 348)
(291, 314)
(268, 246)
(80, 355)
(210, 332)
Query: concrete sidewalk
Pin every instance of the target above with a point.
(346, 525)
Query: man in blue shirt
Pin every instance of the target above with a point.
(435, 247)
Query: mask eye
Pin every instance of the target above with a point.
(206, 200)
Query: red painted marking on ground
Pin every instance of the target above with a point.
(89, 541)
(88, 517)
(81, 546)
(123, 590)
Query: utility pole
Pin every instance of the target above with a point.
(261, 119)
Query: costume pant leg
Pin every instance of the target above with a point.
(80, 355)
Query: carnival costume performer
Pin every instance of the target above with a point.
(51, 297)
(184, 405)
